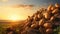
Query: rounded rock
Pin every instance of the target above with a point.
(49, 7)
(41, 22)
(49, 31)
(57, 5)
(47, 25)
(55, 11)
(47, 15)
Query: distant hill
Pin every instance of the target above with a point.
(10, 22)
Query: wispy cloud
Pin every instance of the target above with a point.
(23, 6)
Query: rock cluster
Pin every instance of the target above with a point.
(43, 21)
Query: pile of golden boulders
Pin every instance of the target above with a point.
(44, 20)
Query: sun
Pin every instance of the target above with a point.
(13, 17)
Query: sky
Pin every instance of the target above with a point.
(20, 9)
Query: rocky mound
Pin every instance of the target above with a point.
(44, 21)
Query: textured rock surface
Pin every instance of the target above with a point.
(43, 21)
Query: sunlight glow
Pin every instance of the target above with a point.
(13, 17)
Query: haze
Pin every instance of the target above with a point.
(21, 8)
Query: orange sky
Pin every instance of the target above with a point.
(20, 13)
(20, 9)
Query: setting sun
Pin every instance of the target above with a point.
(13, 17)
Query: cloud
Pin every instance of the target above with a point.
(6, 11)
(23, 6)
